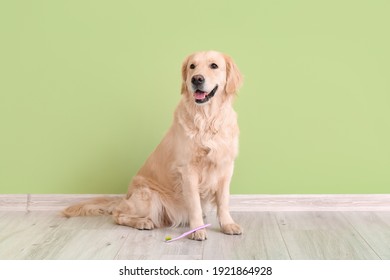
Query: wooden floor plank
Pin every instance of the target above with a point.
(55, 244)
(22, 233)
(322, 235)
(93, 244)
(261, 239)
(374, 228)
(10, 220)
(384, 216)
(267, 235)
(150, 245)
(60, 232)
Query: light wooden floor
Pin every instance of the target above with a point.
(268, 235)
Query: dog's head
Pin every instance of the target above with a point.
(208, 75)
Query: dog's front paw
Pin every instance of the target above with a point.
(199, 235)
(232, 229)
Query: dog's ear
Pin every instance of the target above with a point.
(233, 76)
(184, 68)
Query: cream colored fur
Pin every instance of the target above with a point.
(192, 166)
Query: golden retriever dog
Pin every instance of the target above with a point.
(193, 165)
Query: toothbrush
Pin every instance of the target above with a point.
(168, 239)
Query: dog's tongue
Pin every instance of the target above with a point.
(199, 95)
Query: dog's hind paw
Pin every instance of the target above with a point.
(144, 224)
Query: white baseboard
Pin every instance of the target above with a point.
(327, 202)
(321, 202)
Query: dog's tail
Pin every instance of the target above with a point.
(93, 207)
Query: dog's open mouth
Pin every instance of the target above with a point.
(202, 96)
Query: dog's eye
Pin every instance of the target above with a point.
(192, 66)
(213, 66)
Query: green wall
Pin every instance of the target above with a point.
(88, 89)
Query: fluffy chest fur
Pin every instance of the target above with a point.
(211, 139)
(209, 145)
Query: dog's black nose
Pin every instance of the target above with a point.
(197, 80)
